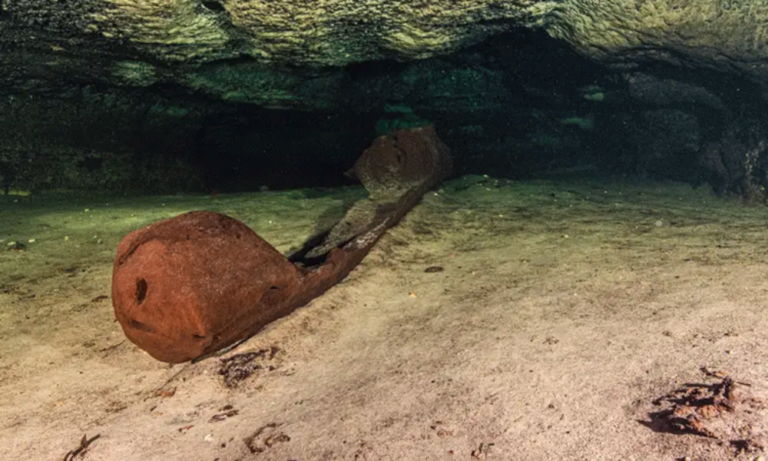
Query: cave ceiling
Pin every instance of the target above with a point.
(263, 52)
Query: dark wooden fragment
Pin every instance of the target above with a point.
(188, 286)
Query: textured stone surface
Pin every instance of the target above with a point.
(340, 56)
(727, 35)
(337, 32)
(325, 32)
(237, 49)
(321, 32)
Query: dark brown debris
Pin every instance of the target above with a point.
(85, 442)
(239, 367)
(433, 269)
(720, 410)
(482, 451)
(265, 437)
(227, 411)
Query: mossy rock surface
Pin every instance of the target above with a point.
(270, 53)
(317, 32)
(728, 35)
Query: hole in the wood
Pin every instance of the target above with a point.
(141, 290)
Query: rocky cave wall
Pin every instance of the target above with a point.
(189, 95)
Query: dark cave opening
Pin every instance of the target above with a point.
(519, 105)
(257, 149)
(500, 126)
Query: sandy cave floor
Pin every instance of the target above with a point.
(564, 313)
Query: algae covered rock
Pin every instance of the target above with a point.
(263, 52)
(726, 35)
(321, 32)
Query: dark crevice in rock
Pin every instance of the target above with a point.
(213, 6)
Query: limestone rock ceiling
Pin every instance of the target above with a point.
(729, 35)
(139, 42)
(319, 32)
(89, 82)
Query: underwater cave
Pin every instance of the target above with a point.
(383, 230)
(518, 105)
